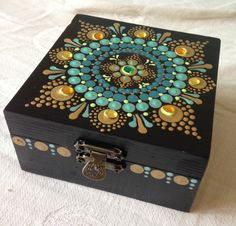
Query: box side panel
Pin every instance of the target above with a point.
(158, 157)
(136, 181)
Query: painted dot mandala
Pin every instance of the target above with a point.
(115, 76)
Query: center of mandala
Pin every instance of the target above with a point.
(128, 70)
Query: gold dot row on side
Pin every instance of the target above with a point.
(41, 146)
(159, 175)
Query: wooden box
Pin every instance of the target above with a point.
(120, 107)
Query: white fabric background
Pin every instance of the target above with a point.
(28, 29)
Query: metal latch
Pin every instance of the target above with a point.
(98, 159)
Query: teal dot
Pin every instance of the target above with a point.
(139, 41)
(86, 63)
(105, 42)
(181, 69)
(126, 39)
(94, 45)
(85, 69)
(80, 88)
(115, 40)
(119, 97)
(132, 98)
(178, 61)
(85, 77)
(162, 48)
(90, 95)
(166, 98)
(170, 54)
(75, 63)
(181, 77)
(114, 105)
(174, 91)
(74, 80)
(79, 56)
(101, 101)
(151, 43)
(155, 103)
(179, 84)
(142, 106)
(86, 50)
(128, 107)
(73, 71)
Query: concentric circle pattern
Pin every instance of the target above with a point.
(146, 78)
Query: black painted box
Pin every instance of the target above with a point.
(120, 107)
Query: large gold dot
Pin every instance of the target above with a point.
(108, 116)
(181, 180)
(63, 152)
(135, 168)
(64, 55)
(18, 141)
(197, 82)
(62, 93)
(184, 51)
(170, 113)
(141, 34)
(158, 174)
(41, 146)
(111, 114)
(95, 35)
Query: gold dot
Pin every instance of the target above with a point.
(95, 35)
(157, 174)
(168, 110)
(135, 168)
(141, 33)
(18, 141)
(111, 114)
(63, 152)
(62, 93)
(64, 55)
(197, 82)
(41, 146)
(105, 118)
(181, 180)
(181, 51)
(184, 51)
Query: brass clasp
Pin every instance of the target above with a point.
(98, 159)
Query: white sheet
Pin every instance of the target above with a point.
(28, 29)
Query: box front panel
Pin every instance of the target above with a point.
(137, 181)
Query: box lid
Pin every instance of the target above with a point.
(142, 84)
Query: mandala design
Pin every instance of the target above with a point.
(115, 76)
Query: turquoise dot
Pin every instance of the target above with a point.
(181, 77)
(132, 98)
(142, 106)
(86, 50)
(73, 71)
(94, 45)
(162, 48)
(128, 107)
(105, 48)
(179, 84)
(114, 105)
(174, 91)
(86, 63)
(166, 98)
(126, 39)
(105, 42)
(151, 43)
(119, 97)
(115, 40)
(98, 89)
(178, 61)
(181, 69)
(139, 41)
(107, 94)
(75, 63)
(85, 69)
(79, 56)
(155, 103)
(101, 101)
(170, 54)
(144, 96)
(74, 80)
(80, 88)
(193, 181)
(85, 77)
(90, 95)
